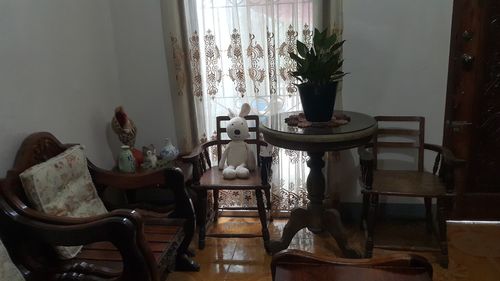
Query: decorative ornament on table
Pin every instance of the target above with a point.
(169, 152)
(125, 128)
(126, 161)
(299, 120)
(150, 159)
(238, 154)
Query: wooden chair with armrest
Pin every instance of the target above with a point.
(167, 237)
(207, 177)
(406, 183)
(31, 245)
(296, 265)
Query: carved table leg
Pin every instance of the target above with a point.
(315, 217)
(298, 219)
(332, 223)
(315, 191)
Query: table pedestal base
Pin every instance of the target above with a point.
(301, 218)
(315, 217)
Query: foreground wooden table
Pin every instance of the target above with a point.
(316, 141)
(295, 265)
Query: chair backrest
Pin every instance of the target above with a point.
(416, 137)
(252, 128)
(35, 149)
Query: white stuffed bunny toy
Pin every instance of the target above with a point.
(238, 155)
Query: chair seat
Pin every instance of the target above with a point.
(407, 183)
(162, 235)
(213, 179)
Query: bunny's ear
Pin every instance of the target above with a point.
(245, 109)
(231, 113)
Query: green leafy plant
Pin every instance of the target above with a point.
(321, 64)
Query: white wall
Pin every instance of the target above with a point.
(144, 79)
(397, 54)
(57, 74)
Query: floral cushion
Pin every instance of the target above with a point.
(62, 186)
(8, 271)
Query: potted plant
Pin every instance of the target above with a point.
(319, 71)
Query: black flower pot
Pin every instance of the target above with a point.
(318, 101)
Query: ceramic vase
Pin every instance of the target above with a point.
(169, 152)
(126, 161)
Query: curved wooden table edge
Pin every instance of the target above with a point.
(330, 142)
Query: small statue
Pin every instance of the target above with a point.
(150, 160)
(124, 127)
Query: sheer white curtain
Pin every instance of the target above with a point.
(228, 52)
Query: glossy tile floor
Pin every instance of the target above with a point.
(246, 259)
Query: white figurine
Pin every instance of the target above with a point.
(151, 158)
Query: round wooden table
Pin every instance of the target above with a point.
(316, 141)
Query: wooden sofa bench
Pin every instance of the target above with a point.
(120, 245)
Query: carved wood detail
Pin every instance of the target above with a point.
(485, 161)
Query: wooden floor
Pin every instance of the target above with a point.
(245, 258)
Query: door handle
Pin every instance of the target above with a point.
(457, 126)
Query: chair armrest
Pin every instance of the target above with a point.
(8, 194)
(172, 178)
(200, 148)
(450, 159)
(448, 156)
(197, 151)
(124, 232)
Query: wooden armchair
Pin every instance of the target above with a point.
(406, 183)
(207, 177)
(295, 265)
(120, 245)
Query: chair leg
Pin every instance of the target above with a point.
(442, 215)
(202, 219)
(371, 216)
(216, 204)
(262, 216)
(428, 213)
(364, 210)
(267, 192)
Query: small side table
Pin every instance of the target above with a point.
(316, 141)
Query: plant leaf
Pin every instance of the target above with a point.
(302, 49)
(296, 58)
(337, 45)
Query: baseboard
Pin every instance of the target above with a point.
(351, 212)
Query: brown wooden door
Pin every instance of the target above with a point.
(472, 118)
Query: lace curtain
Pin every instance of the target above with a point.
(223, 53)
